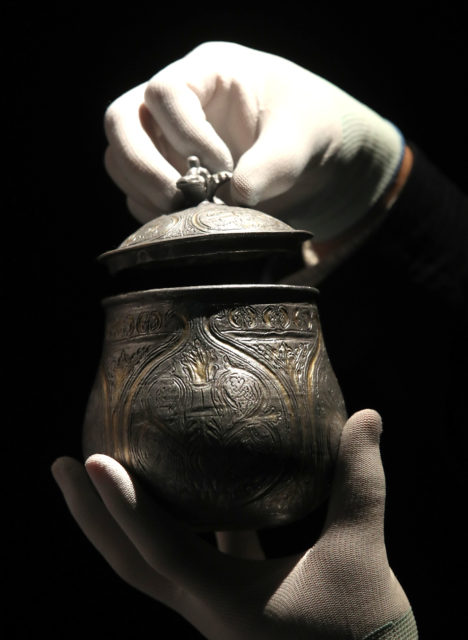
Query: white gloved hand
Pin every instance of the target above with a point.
(342, 587)
(299, 147)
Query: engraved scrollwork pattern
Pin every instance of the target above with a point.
(207, 218)
(216, 416)
(286, 340)
(225, 412)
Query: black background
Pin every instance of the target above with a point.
(69, 62)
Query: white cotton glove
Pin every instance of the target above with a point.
(299, 147)
(342, 587)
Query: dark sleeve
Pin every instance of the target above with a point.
(425, 238)
(395, 321)
(407, 287)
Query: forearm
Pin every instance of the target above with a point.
(423, 238)
(418, 233)
(406, 285)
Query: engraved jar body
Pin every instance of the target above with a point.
(221, 400)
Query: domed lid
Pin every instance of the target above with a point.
(207, 232)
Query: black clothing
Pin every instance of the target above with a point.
(395, 321)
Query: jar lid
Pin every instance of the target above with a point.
(207, 232)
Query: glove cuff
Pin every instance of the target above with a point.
(402, 629)
(367, 163)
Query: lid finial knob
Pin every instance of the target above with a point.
(199, 185)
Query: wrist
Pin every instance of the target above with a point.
(391, 195)
(348, 190)
(322, 256)
(348, 240)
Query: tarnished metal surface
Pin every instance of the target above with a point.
(221, 399)
(209, 229)
(206, 219)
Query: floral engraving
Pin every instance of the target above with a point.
(230, 413)
(243, 317)
(291, 318)
(131, 325)
(198, 363)
(276, 317)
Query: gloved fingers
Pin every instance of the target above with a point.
(140, 212)
(284, 150)
(208, 102)
(174, 98)
(135, 159)
(241, 544)
(357, 498)
(168, 546)
(104, 533)
(145, 210)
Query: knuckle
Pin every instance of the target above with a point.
(156, 88)
(122, 107)
(159, 87)
(111, 118)
(210, 47)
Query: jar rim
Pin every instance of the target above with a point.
(222, 293)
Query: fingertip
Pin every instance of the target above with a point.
(97, 457)
(367, 420)
(68, 474)
(110, 478)
(358, 491)
(57, 464)
(361, 433)
(56, 469)
(360, 438)
(265, 171)
(63, 466)
(101, 462)
(243, 190)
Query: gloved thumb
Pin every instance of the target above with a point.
(357, 498)
(275, 162)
